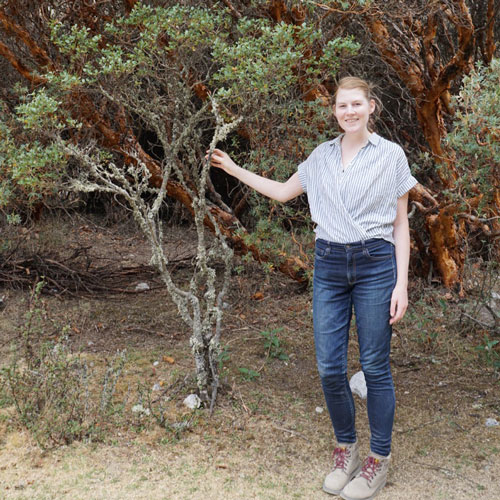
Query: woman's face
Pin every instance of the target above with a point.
(352, 110)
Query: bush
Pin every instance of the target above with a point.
(475, 139)
(52, 390)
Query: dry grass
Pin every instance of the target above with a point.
(265, 440)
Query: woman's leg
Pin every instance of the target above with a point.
(375, 280)
(332, 315)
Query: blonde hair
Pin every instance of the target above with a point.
(353, 82)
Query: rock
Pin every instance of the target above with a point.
(358, 384)
(192, 401)
(156, 387)
(180, 426)
(492, 422)
(138, 408)
(319, 409)
(141, 287)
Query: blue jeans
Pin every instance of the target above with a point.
(362, 275)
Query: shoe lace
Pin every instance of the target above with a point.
(340, 456)
(370, 467)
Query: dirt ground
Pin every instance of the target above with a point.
(267, 438)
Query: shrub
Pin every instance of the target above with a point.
(57, 395)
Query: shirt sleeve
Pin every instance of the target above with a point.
(304, 170)
(405, 181)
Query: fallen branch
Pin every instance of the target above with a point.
(73, 277)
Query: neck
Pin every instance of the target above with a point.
(357, 138)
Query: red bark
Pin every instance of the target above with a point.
(490, 44)
(14, 29)
(429, 81)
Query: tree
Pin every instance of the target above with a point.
(147, 73)
(416, 51)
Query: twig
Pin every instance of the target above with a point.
(485, 325)
(232, 9)
(421, 426)
(294, 433)
(179, 383)
(449, 472)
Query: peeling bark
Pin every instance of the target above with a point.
(21, 68)
(429, 81)
(445, 248)
(490, 44)
(14, 29)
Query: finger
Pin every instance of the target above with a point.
(393, 307)
(399, 314)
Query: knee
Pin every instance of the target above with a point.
(333, 381)
(376, 370)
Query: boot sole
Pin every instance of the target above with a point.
(375, 493)
(337, 492)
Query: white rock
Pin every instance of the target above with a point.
(358, 384)
(192, 401)
(141, 287)
(492, 422)
(319, 409)
(156, 387)
(156, 363)
(138, 408)
(179, 426)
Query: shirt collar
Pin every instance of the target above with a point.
(373, 139)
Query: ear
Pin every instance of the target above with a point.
(372, 105)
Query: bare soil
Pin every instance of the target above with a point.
(266, 439)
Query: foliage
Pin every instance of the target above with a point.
(53, 390)
(487, 351)
(475, 138)
(274, 345)
(248, 374)
(271, 69)
(257, 69)
(31, 167)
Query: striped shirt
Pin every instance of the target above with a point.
(359, 202)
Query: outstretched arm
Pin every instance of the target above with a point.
(280, 191)
(401, 233)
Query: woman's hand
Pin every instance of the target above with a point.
(399, 303)
(220, 159)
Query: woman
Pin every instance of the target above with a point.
(357, 187)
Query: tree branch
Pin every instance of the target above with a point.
(19, 66)
(14, 29)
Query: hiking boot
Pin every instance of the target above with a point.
(346, 464)
(370, 480)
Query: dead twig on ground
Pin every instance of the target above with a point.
(449, 472)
